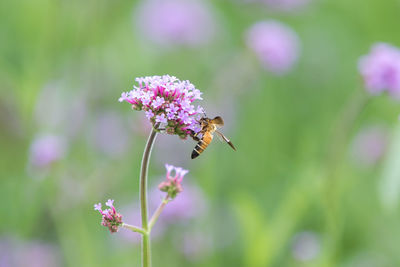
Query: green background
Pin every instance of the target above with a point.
(292, 171)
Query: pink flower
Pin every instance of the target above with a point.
(161, 118)
(47, 149)
(275, 44)
(172, 186)
(167, 101)
(149, 114)
(380, 69)
(370, 145)
(176, 22)
(110, 217)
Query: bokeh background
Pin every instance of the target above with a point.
(315, 180)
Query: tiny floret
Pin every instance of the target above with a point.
(168, 103)
(110, 217)
(172, 186)
(97, 206)
(109, 203)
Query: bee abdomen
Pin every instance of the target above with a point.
(199, 148)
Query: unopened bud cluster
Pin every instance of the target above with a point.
(172, 185)
(110, 217)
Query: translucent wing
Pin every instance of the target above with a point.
(223, 137)
(218, 121)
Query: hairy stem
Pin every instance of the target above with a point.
(146, 261)
(158, 212)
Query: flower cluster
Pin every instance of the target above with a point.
(380, 69)
(111, 218)
(275, 45)
(167, 102)
(172, 186)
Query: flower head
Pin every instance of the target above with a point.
(172, 186)
(380, 69)
(110, 217)
(275, 44)
(168, 102)
(176, 22)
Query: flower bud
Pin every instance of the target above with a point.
(110, 217)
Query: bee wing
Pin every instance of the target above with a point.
(223, 137)
(218, 121)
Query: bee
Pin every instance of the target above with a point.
(208, 128)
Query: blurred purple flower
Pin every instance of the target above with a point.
(110, 134)
(369, 145)
(37, 254)
(176, 22)
(189, 204)
(305, 246)
(46, 149)
(5, 253)
(380, 69)
(275, 44)
(28, 254)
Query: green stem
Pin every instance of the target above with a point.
(146, 260)
(158, 212)
(134, 228)
(336, 154)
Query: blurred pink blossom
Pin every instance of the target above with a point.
(369, 145)
(380, 69)
(275, 44)
(46, 149)
(190, 203)
(176, 22)
(16, 253)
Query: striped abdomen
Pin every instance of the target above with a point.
(202, 144)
